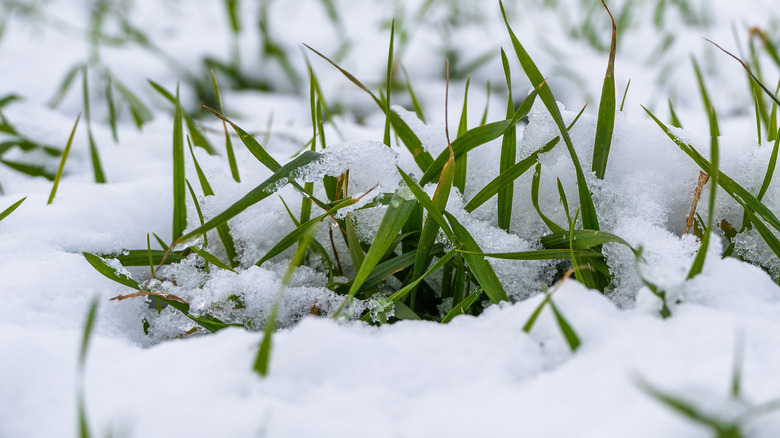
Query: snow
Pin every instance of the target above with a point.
(475, 376)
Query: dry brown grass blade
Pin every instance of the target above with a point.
(747, 69)
(165, 296)
(703, 178)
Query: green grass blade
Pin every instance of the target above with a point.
(197, 209)
(625, 94)
(675, 121)
(507, 177)
(140, 112)
(690, 412)
(65, 85)
(109, 272)
(704, 94)
(151, 258)
(65, 153)
(508, 155)
(543, 254)
(140, 257)
(434, 219)
(480, 268)
(406, 290)
(4, 214)
(353, 243)
(589, 217)
(97, 166)
(86, 336)
(85, 93)
(302, 231)
(555, 228)
(476, 137)
(29, 169)
(461, 163)
(606, 121)
(232, 9)
(251, 144)
(568, 332)
(407, 136)
(198, 139)
(698, 262)
(210, 258)
(111, 105)
(487, 104)
(770, 169)
(461, 307)
(223, 230)
(397, 213)
(262, 191)
(384, 270)
(228, 144)
(581, 240)
(415, 103)
(433, 208)
(388, 83)
(535, 315)
(263, 358)
(742, 196)
(179, 193)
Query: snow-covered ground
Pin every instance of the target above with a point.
(475, 376)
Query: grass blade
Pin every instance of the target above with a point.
(461, 307)
(476, 137)
(228, 144)
(698, 262)
(568, 332)
(480, 268)
(86, 336)
(555, 228)
(606, 121)
(508, 154)
(223, 230)
(29, 169)
(397, 213)
(263, 358)
(407, 136)
(388, 80)
(581, 240)
(589, 217)
(301, 231)
(179, 193)
(109, 272)
(742, 196)
(625, 94)
(65, 153)
(415, 102)
(198, 139)
(704, 94)
(507, 177)
(262, 191)
(4, 214)
(210, 258)
(406, 290)
(140, 112)
(461, 163)
(65, 85)
(542, 254)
